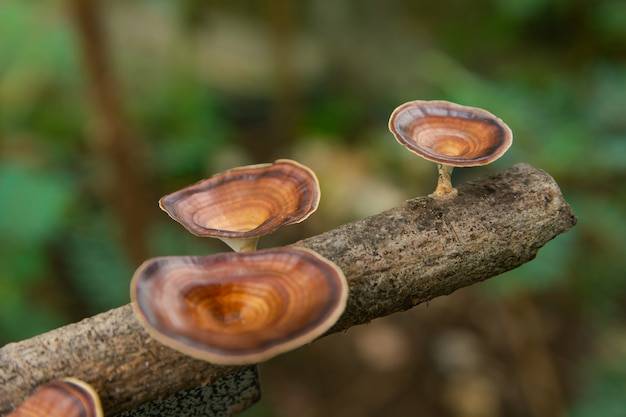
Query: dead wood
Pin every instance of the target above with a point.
(393, 261)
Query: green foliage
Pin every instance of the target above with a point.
(98, 269)
(33, 205)
(32, 211)
(38, 73)
(605, 396)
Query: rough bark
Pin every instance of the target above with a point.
(393, 261)
(228, 396)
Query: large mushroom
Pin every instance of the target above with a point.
(239, 307)
(243, 204)
(63, 398)
(450, 135)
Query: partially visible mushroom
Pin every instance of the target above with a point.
(451, 135)
(243, 204)
(64, 398)
(239, 308)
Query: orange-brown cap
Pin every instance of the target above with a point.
(64, 398)
(239, 307)
(243, 204)
(450, 134)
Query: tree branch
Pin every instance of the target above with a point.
(393, 261)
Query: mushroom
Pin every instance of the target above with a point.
(450, 135)
(63, 398)
(243, 204)
(237, 308)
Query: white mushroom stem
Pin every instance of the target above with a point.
(444, 183)
(241, 245)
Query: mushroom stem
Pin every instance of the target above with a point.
(240, 244)
(444, 183)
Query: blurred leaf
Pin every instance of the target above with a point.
(21, 266)
(38, 68)
(32, 204)
(520, 9)
(608, 19)
(336, 116)
(43, 36)
(97, 266)
(185, 126)
(611, 157)
(21, 269)
(21, 319)
(604, 111)
(598, 258)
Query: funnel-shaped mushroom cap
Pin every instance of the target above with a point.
(247, 202)
(66, 398)
(239, 307)
(450, 134)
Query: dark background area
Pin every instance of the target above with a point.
(107, 106)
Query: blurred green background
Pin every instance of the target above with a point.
(106, 106)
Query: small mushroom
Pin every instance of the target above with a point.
(451, 135)
(63, 398)
(238, 308)
(243, 204)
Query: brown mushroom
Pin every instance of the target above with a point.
(450, 135)
(243, 204)
(64, 398)
(239, 307)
